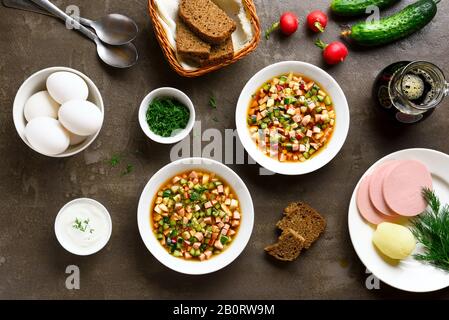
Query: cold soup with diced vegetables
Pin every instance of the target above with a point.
(291, 117)
(195, 215)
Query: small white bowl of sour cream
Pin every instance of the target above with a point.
(83, 226)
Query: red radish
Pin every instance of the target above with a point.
(334, 52)
(288, 24)
(317, 21)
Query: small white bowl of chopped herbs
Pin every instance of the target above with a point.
(167, 115)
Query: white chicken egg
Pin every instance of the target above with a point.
(76, 139)
(47, 136)
(81, 117)
(66, 86)
(41, 104)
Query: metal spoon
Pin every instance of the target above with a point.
(113, 29)
(123, 56)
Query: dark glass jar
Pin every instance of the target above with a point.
(408, 92)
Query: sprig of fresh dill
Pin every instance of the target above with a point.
(213, 102)
(431, 229)
(81, 225)
(115, 160)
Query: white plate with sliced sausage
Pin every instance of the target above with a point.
(390, 191)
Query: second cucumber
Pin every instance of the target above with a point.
(358, 7)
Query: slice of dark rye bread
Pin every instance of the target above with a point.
(188, 44)
(218, 53)
(305, 220)
(288, 247)
(207, 20)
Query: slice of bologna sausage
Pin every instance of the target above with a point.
(365, 206)
(376, 187)
(403, 187)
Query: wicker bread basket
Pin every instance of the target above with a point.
(171, 55)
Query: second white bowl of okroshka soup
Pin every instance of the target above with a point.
(292, 117)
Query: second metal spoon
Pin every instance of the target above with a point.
(123, 56)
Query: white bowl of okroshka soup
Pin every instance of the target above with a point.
(195, 216)
(292, 118)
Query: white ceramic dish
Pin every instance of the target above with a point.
(166, 92)
(341, 110)
(189, 266)
(408, 274)
(36, 83)
(68, 245)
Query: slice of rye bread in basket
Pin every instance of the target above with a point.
(305, 220)
(288, 247)
(220, 53)
(188, 44)
(207, 20)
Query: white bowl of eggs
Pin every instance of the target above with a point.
(58, 112)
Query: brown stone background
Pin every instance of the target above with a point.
(33, 188)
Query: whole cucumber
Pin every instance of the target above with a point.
(358, 7)
(402, 24)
